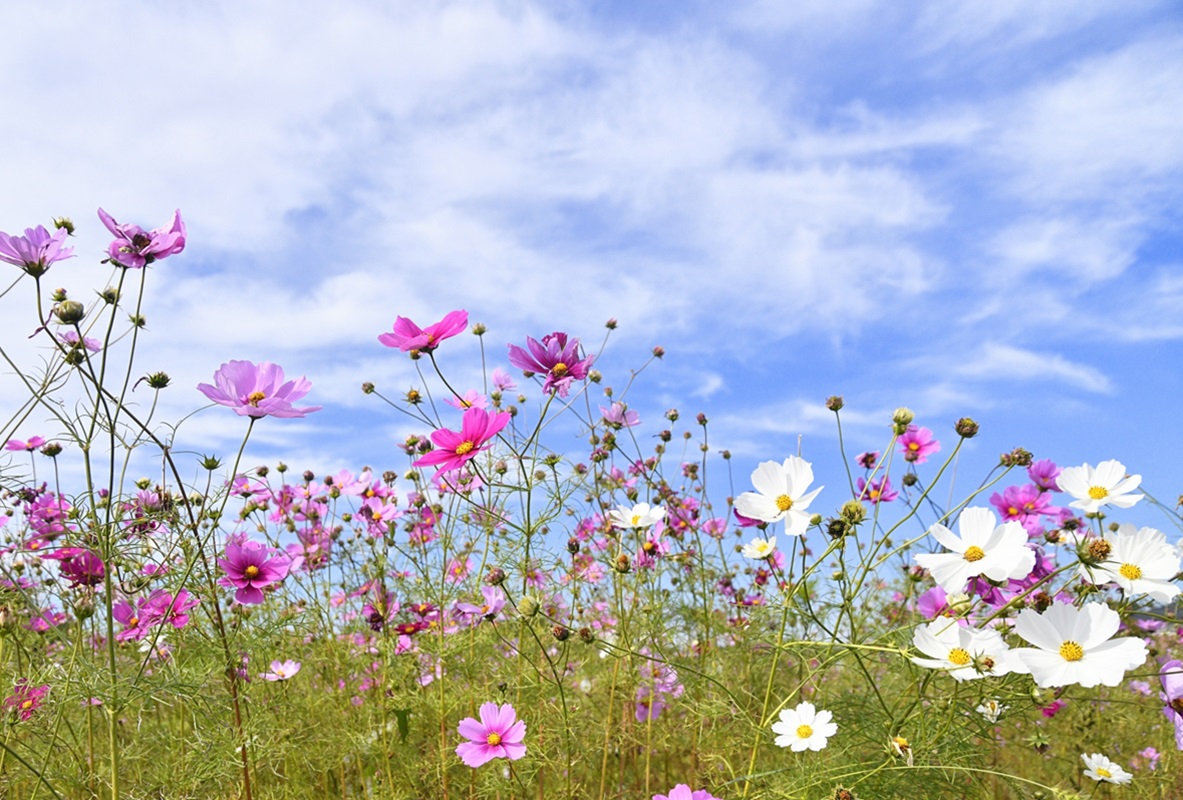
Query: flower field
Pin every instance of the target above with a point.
(543, 595)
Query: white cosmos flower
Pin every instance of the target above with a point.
(639, 516)
(966, 653)
(804, 728)
(991, 710)
(1100, 768)
(760, 548)
(1105, 485)
(1075, 645)
(1140, 562)
(780, 494)
(999, 553)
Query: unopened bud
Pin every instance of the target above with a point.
(70, 311)
(561, 632)
(910, 479)
(622, 564)
(966, 428)
(158, 380)
(610, 324)
(64, 223)
(496, 576)
(51, 449)
(528, 606)
(367, 387)
(210, 462)
(853, 512)
(479, 329)
(835, 402)
(902, 417)
(59, 296)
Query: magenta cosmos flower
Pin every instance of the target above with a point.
(917, 444)
(454, 450)
(36, 250)
(683, 792)
(17, 444)
(25, 698)
(556, 357)
(498, 734)
(251, 567)
(408, 336)
(1172, 696)
(257, 390)
(135, 248)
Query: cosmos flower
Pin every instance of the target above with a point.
(556, 357)
(999, 553)
(780, 494)
(498, 734)
(642, 515)
(877, 491)
(281, 670)
(684, 792)
(760, 548)
(257, 390)
(36, 250)
(25, 698)
(917, 444)
(135, 248)
(618, 415)
(991, 709)
(1140, 562)
(17, 445)
(1075, 645)
(1105, 485)
(804, 728)
(251, 567)
(965, 653)
(408, 337)
(1102, 770)
(454, 449)
(1172, 696)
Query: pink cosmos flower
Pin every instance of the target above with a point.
(877, 491)
(683, 792)
(73, 340)
(868, 460)
(1043, 473)
(135, 248)
(556, 357)
(251, 567)
(407, 336)
(454, 450)
(17, 445)
(498, 734)
(257, 390)
(36, 250)
(80, 566)
(1172, 696)
(502, 381)
(281, 670)
(25, 698)
(917, 444)
(470, 399)
(618, 415)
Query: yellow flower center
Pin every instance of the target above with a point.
(1012, 511)
(784, 502)
(376, 515)
(464, 448)
(875, 494)
(27, 704)
(804, 731)
(559, 369)
(134, 621)
(251, 571)
(636, 520)
(1071, 651)
(493, 739)
(1104, 773)
(1130, 572)
(254, 397)
(959, 657)
(913, 446)
(1098, 492)
(974, 553)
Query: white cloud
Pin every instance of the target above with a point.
(1005, 363)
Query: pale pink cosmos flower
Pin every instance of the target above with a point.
(36, 250)
(502, 381)
(17, 445)
(407, 336)
(135, 248)
(257, 390)
(455, 449)
(498, 734)
(470, 399)
(281, 670)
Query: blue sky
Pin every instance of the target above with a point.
(968, 208)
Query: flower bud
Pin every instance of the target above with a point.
(658, 351)
(853, 512)
(64, 223)
(138, 320)
(836, 528)
(622, 564)
(672, 415)
(561, 632)
(110, 295)
(595, 376)
(309, 475)
(902, 417)
(610, 324)
(586, 635)
(572, 545)
(909, 479)
(70, 311)
(496, 576)
(210, 462)
(51, 449)
(479, 329)
(815, 520)
(835, 403)
(701, 418)
(59, 296)
(528, 606)
(158, 380)
(966, 428)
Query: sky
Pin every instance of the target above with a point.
(966, 208)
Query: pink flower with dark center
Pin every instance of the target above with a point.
(917, 444)
(251, 567)
(36, 250)
(868, 460)
(408, 337)
(618, 415)
(556, 357)
(454, 450)
(25, 698)
(135, 248)
(257, 390)
(498, 734)
(1043, 473)
(79, 566)
(17, 445)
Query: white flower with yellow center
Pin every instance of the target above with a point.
(1107, 485)
(760, 548)
(1076, 646)
(991, 709)
(642, 515)
(999, 553)
(804, 728)
(1101, 769)
(780, 494)
(966, 653)
(1140, 562)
